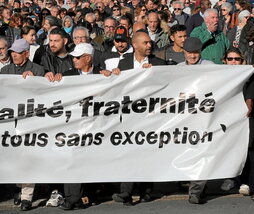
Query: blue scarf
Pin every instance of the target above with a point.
(68, 30)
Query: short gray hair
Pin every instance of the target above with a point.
(92, 15)
(227, 5)
(84, 29)
(208, 11)
(52, 20)
(178, 2)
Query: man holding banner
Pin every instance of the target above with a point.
(21, 65)
(192, 53)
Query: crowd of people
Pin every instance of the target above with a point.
(56, 38)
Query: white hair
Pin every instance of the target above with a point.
(227, 5)
(84, 29)
(209, 11)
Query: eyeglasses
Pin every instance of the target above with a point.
(45, 14)
(187, 2)
(79, 37)
(234, 58)
(109, 27)
(175, 9)
(98, 7)
(115, 9)
(223, 9)
(144, 10)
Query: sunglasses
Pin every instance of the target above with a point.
(115, 9)
(143, 10)
(234, 58)
(98, 7)
(223, 9)
(78, 57)
(177, 9)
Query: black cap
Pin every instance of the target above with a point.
(192, 44)
(121, 34)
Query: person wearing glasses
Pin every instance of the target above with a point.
(116, 12)
(83, 65)
(101, 7)
(225, 19)
(178, 13)
(105, 41)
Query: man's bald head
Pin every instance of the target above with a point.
(138, 26)
(142, 43)
(153, 21)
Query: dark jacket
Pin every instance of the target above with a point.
(55, 64)
(128, 61)
(28, 66)
(194, 21)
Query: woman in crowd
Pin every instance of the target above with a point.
(225, 19)
(29, 34)
(13, 31)
(237, 35)
(62, 13)
(234, 57)
(240, 6)
(68, 24)
(140, 13)
(98, 18)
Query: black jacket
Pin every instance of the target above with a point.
(128, 61)
(55, 64)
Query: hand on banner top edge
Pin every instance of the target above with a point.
(146, 65)
(58, 77)
(27, 73)
(50, 76)
(116, 71)
(106, 73)
(249, 104)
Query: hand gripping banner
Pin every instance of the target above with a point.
(166, 123)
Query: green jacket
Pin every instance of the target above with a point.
(214, 46)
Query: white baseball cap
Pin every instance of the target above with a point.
(82, 48)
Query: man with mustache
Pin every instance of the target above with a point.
(214, 42)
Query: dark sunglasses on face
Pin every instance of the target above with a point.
(223, 9)
(115, 9)
(177, 9)
(78, 57)
(234, 58)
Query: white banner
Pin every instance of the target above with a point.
(167, 123)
